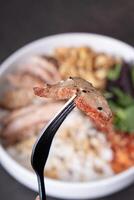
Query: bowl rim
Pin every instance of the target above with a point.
(95, 183)
(12, 58)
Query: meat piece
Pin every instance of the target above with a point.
(27, 119)
(88, 99)
(20, 136)
(16, 98)
(51, 59)
(16, 90)
(3, 114)
(42, 68)
(18, 113)
(24, 80)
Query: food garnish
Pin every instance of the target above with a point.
(120, 92)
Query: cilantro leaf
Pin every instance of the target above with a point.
(114, 73)
(132, 75)
(120, 95)
(123, 99)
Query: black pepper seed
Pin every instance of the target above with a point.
(99, 108)
(84, 91)
(70, 77)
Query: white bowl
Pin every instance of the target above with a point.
(56, 188)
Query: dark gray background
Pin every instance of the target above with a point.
(22, 21)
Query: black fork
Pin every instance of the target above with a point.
(42, 146)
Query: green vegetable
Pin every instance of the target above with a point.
(122, 98)
(123, 109)
(120, 95)
(108, 95)
(132, 74)
(129, 118)
(124, 119)
(114, 73)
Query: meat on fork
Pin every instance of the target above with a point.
(88, 99)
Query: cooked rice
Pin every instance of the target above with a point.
(79, 152)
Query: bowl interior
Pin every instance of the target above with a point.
(46, 46)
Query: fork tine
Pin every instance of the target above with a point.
(60, 119)
(63, 111)
(61, 116)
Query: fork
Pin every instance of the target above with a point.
(42, 146)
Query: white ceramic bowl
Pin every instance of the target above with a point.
(56, 188)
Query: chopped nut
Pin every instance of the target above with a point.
(52, 173)
(85, 63)
(101, 73)
(103, 60)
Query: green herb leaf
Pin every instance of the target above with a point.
(132, 74)
(108, 95)
(124, 119)
(122, 98)
(129, 118)
(114, 73)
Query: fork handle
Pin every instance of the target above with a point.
(41, 186)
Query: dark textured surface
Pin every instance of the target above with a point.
(22, 21)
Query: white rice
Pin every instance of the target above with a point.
(82, 155)
(79, 152)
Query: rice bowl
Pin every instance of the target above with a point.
(54, 187)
